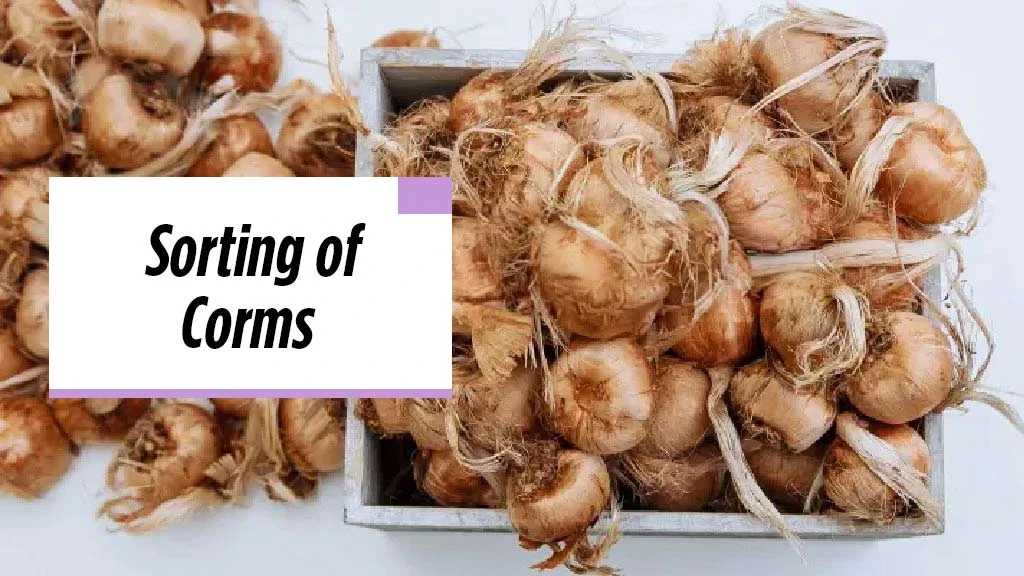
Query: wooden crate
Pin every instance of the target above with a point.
(391, 79)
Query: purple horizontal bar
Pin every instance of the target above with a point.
(425, 195)
(287, 393)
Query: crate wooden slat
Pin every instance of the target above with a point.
(394, 78)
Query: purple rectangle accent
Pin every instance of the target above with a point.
(425, 195)
(288, 393)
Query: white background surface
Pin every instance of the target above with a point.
(971, 42)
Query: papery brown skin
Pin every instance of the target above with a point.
(713, 83)
(718, 66)
(174, 444)
(771, 208)
(450, 483)
(5, 32)
(18, 253)
(728, 115)
(243, 47)
(233, 407)
(726, 333)
(385, 416)
(686, 483)
(934, 173)
(603, 395)
(200, 8)
(498, 336)
(12, 360)
(782, 52)
(40, 34)
(428, 116)
(29, 130)
(461, 326)
(480, 99)
(888, 296)
(391, 415)
(530, 186)
(163, 33)
(679, 421)
(856, 490)
(908, 371)
(513, 407)
(24, 201)
(591, 292)
(875, 222)
(882, 298)
(127, 123)
(84, 421)
(258, 165)
(236, 137)
(593, 289)
(32, 316)
(637, 112)
(784, 476)
(558, 497)
(422, 135)
(705, 117)
(856, 129)
(473, 280)
(768, 406)
(34, 454)
(316, 137)
(89, 73)
(313, 433)
(496, 413)
(798, 309)
(408, 39)
(426, 421)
